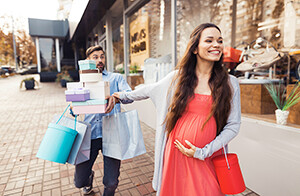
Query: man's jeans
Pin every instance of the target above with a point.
(83, 171)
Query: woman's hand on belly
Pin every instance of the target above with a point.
(189, 152)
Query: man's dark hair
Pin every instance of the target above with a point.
(92, 49)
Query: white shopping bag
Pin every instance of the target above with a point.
(122, 135)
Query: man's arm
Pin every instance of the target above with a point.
(122, 86)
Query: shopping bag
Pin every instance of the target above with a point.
(122, 137)
(57, 141)
(80, 151)
(229, 173)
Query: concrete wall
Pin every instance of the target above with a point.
(269, 154)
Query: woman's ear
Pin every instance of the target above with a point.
(195, 51)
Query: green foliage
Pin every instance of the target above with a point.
(28, 79)
(63, 76)
(282, 101)
(133, 69)
(121, 70)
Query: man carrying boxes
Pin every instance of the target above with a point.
(96, 87)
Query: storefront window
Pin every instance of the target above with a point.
(118, 48)
(276, 21)
(249, 15)
(149, 31)
(190, 14)
(47, 54)
(100, 29)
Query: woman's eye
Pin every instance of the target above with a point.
(209, 41)
(220, 41)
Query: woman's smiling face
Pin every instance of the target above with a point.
(210, 47)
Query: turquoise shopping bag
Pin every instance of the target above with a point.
(57, 142)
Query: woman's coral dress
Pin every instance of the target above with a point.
(188, 176)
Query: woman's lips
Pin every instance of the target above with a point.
(216, 52)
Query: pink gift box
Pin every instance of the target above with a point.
(89, 109)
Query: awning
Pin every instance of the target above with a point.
(84, 16)
(48, 28)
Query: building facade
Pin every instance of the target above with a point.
(132, 31)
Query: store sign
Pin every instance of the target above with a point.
(139, 40)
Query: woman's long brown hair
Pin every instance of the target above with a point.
(186, 82)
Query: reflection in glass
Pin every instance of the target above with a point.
(118, 49)
(192, 13)
(149, 31)
(47, 54)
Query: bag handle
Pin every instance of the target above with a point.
(115, 113)
(64, 114)
(115, 105)
(226, 157)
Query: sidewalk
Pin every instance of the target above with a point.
(24, 120)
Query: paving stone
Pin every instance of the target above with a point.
(27, 190)
(56, 192)
(17, 191)
(37, 188)
(143, 190)
(20, 183)
(125, 193)
(3, 179)
(10, 186)
(134, 191)
(2, 187)
(46, 193)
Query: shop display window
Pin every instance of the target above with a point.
(47, 54)
(149, 33)
(118, 49)
(192, 13)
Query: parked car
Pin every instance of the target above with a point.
(31, 69)
(7, 69)
(2, 72)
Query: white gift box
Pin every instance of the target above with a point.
(98, 90)
(90, 77)
(74, 85)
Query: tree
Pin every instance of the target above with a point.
(25, 47)
(6, 48)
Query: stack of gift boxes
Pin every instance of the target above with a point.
(89, 95)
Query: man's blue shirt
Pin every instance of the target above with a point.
(117, 83)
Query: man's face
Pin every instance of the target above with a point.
(99, 57)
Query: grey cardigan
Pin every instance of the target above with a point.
(158, 93)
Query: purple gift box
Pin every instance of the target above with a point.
(77, 94)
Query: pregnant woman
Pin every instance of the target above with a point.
(198, 112)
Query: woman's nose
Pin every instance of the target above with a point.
(217, 44)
